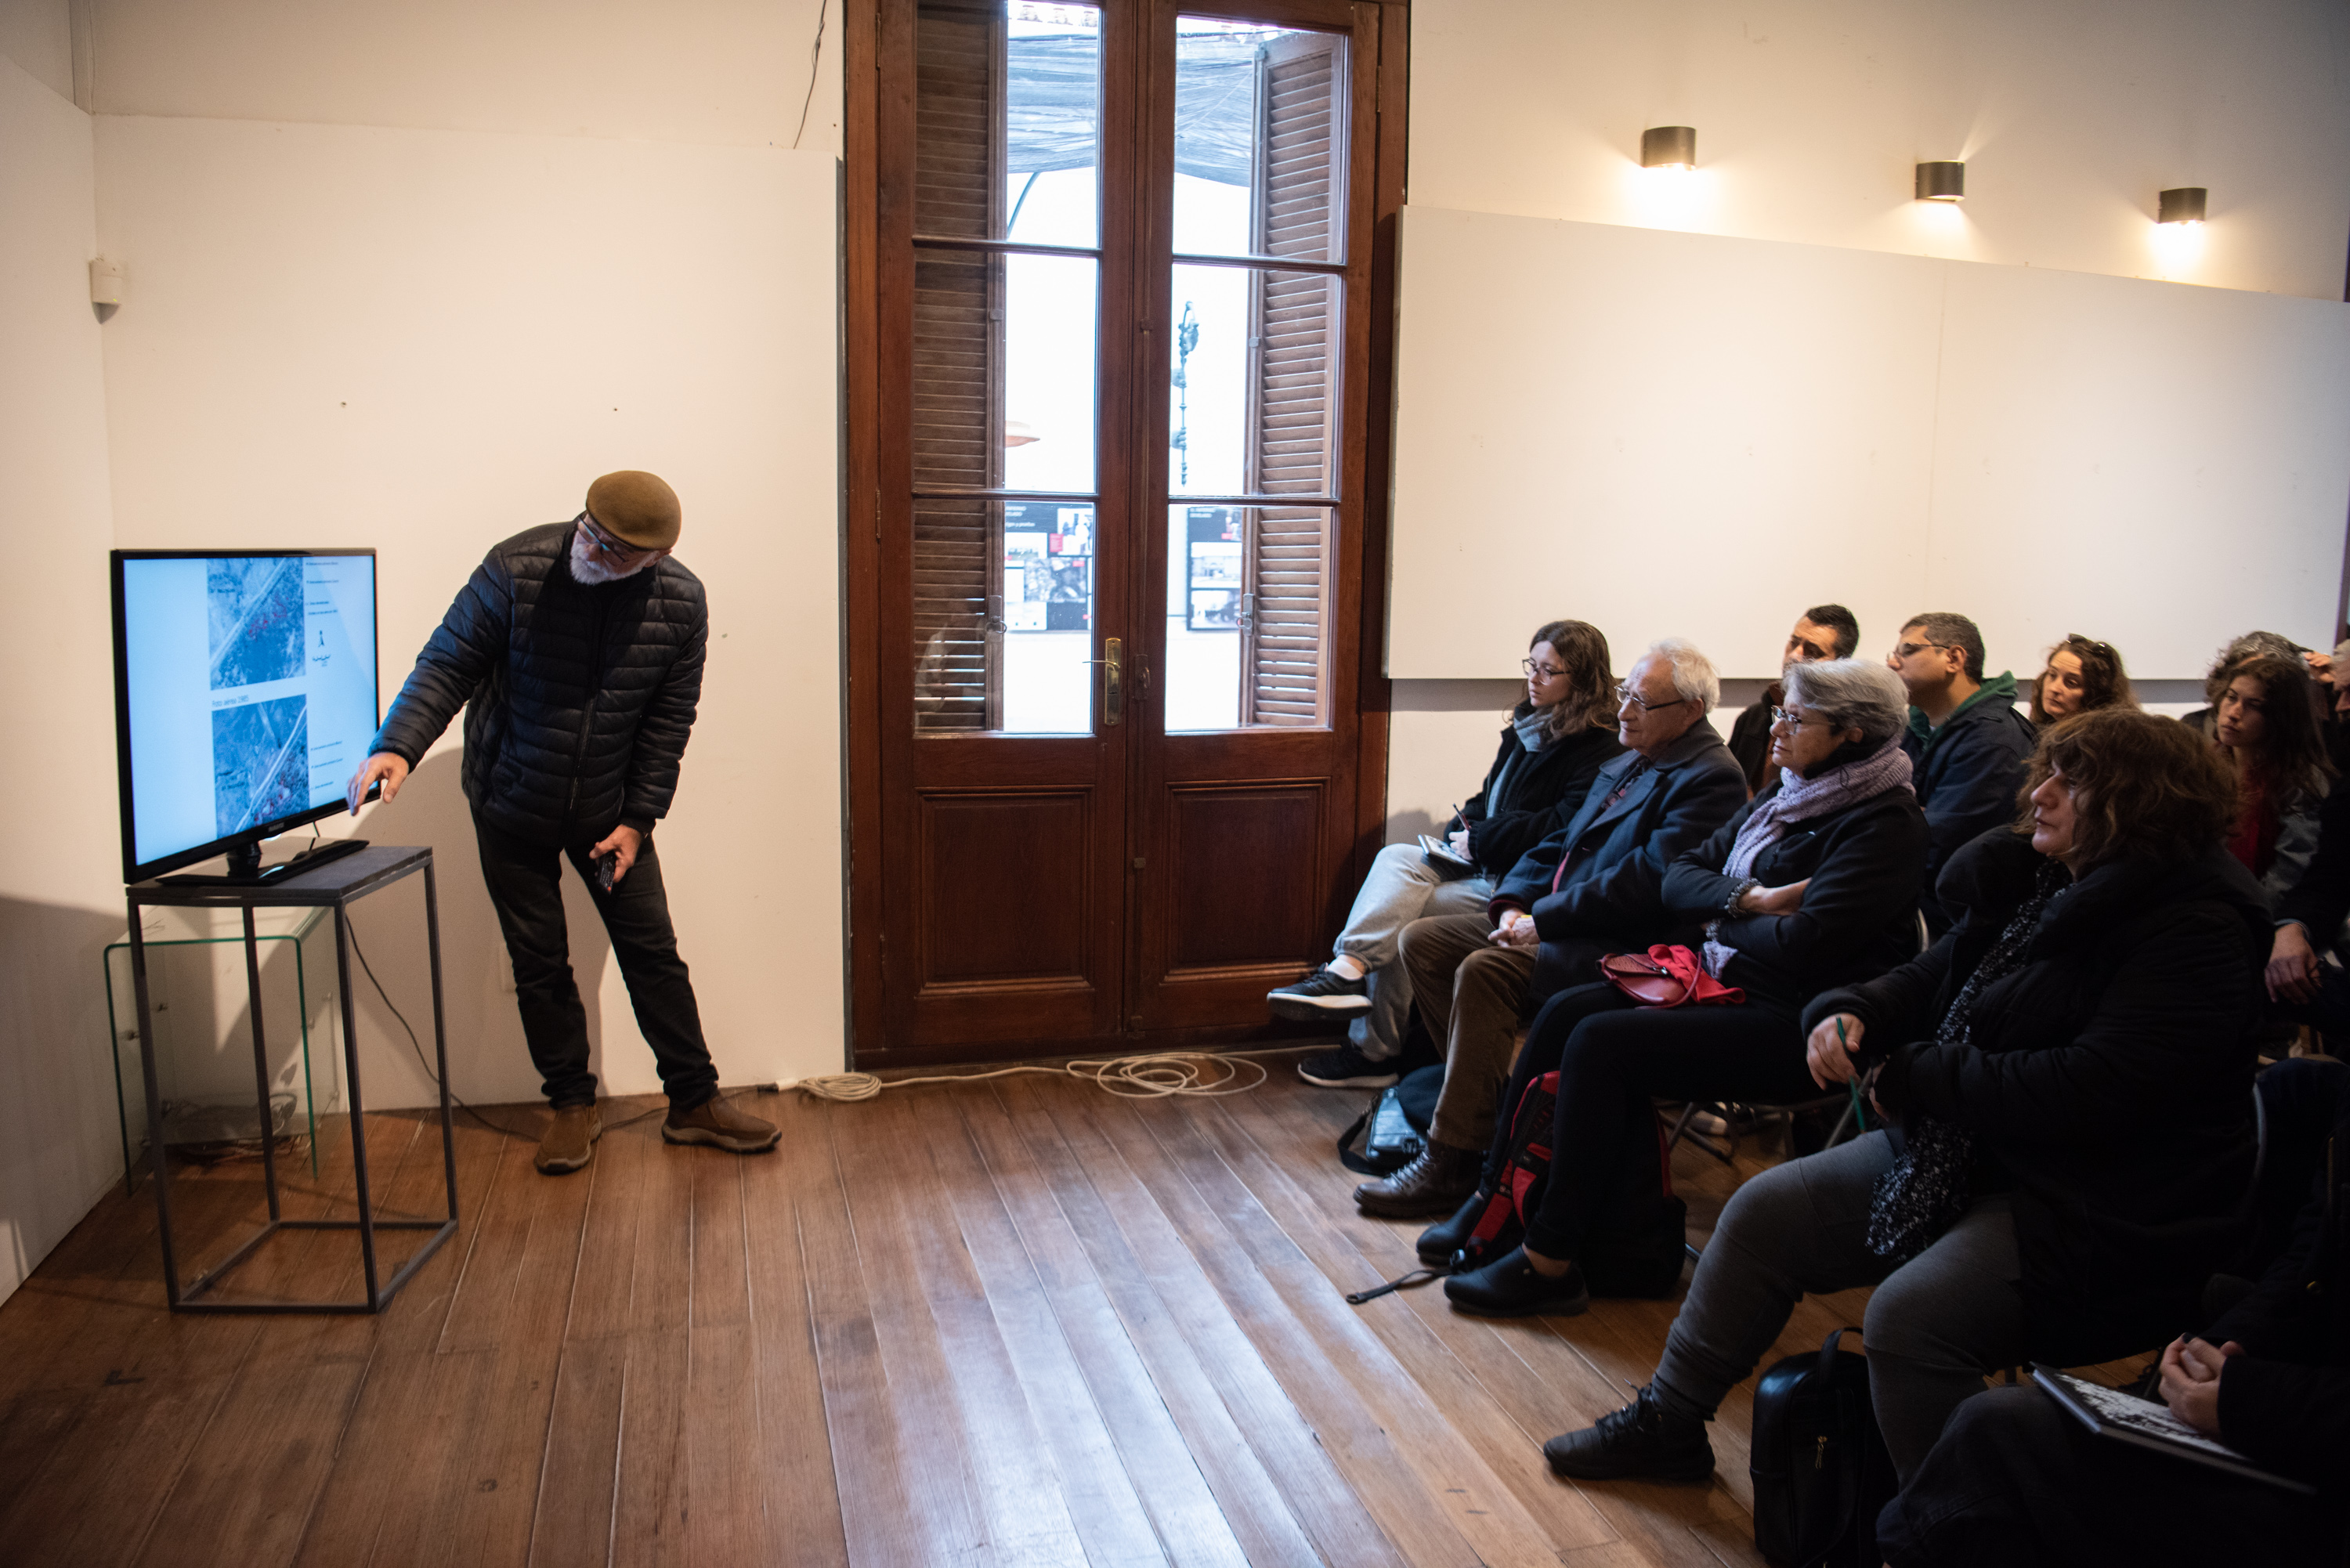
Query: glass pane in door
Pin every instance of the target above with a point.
(1248, 621)
(1004, 617)
(1007, 122)
(1254, 381)
(1261, 123)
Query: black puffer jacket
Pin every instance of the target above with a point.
(578, 698)
(2109, 1080)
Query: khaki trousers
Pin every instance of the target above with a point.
(1471, 994)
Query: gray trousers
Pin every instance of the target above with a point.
(1404, 885)
(1935, 1326)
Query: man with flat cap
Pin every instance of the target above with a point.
(577, 650)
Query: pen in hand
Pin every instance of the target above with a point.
(1859, 1116)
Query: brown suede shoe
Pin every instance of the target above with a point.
(569, 1140)
(717, 1123)
(1435, 1182)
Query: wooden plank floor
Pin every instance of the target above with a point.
(1019, 1322)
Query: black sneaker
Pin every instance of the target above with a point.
(1508, 1286)
(1346, 1068)
(1640, 1441)
(1324, 993)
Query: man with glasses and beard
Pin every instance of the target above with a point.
(1966, 739)
(576, 651)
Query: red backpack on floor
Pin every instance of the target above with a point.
(1638, 1250)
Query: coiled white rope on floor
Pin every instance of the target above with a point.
(1165, 1073)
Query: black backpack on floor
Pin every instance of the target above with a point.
(1820, 1470)
(1637, 1246)
(1395, 1130)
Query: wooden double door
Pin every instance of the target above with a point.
(1113, 276)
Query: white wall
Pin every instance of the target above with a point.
(1696, 434)
(729, 72)
(61, 891)
(1810, 116)
(427, 340)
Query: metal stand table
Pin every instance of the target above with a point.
(335, 886)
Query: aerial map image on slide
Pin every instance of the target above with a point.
(255, 609)
(261, 762)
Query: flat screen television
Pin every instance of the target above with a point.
(244, 698)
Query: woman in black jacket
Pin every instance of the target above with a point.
(1555, 741)
(2016, 1480)
(1814, 884)
(2070, 1070)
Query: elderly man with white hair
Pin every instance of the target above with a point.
(1587, 889)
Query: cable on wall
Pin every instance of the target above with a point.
(816, 58)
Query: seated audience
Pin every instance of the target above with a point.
(2313, 918)
(2080, 675)
(2070, 1068)
(1823, 631)
(2252, 645)
(1814, 884)
(2015, 1480)
(1552, 745)
(2267, 727)
(1589, 890)
(1965, 736)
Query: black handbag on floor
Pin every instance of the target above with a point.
(1820, 1470)
(1395, 1130)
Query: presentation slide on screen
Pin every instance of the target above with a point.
(252, 687)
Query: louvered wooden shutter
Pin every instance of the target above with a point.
(958, 368)
(1292, 412)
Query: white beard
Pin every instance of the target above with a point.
(589, 569)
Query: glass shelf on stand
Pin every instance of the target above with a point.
(195, 971)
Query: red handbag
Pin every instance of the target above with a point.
(1666, 977)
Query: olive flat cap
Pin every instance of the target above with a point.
(638, 506)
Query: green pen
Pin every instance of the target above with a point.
(1859, 1116)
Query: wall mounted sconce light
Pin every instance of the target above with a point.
(1668, 147)
(1942, 182)
(2183, 205)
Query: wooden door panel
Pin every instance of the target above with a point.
(1241, 893)
(1004, 889)
(1011, 937)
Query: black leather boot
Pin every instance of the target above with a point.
(1446, 1237)
(1435, 1182)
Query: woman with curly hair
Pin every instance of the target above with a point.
(2070, 1067)
(2267, 727)
(2081, 674)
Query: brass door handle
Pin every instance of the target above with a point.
(1113, 680)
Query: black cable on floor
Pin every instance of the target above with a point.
(417, 1047)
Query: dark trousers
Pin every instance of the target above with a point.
(1614, 1058)
(525, 883)
(2016, 1481)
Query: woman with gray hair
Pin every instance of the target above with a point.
(1813, 884)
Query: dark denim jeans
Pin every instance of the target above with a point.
(525, 883)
